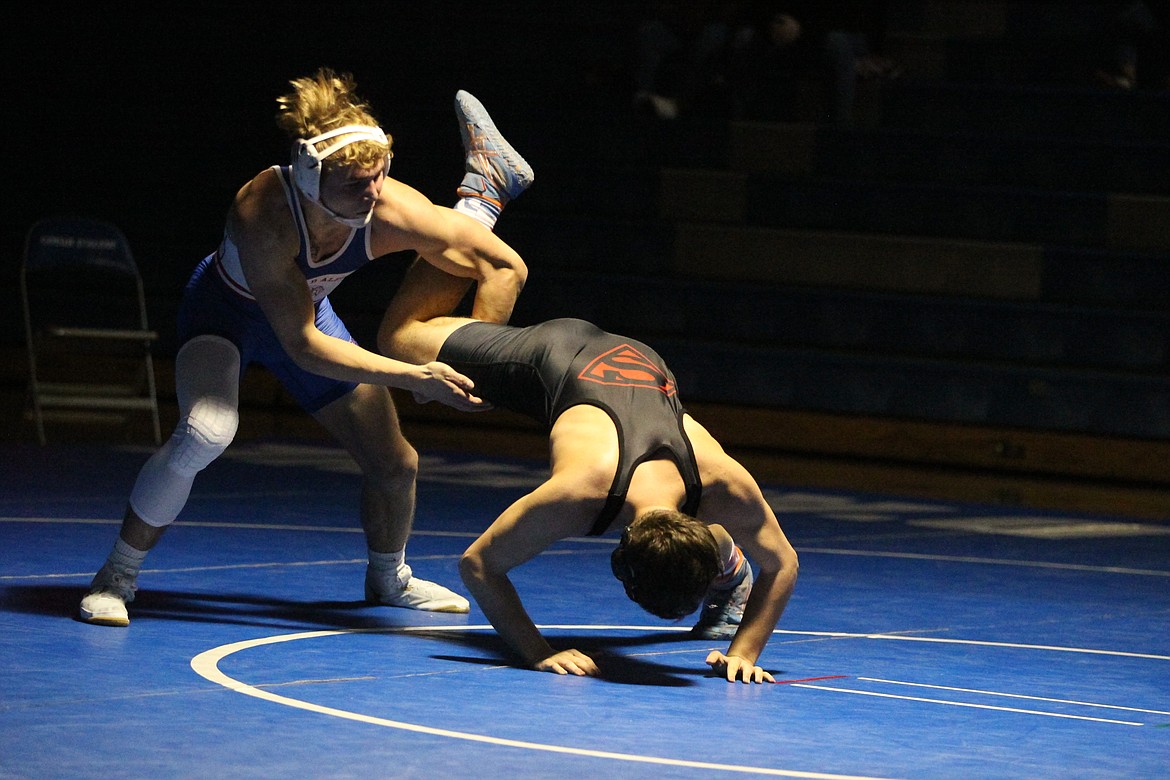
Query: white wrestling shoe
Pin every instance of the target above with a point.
(109, 593)
(496, 172)
(413, 593)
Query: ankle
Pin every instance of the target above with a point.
(389, 570)
(125, 558)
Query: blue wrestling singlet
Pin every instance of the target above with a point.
(217, 302)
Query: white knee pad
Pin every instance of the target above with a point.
(207, 382)
(160, 492)
(207, 371)
(202, 436)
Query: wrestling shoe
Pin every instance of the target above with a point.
(111, 590)
(409, 592)
(496, 173)
(723, 607)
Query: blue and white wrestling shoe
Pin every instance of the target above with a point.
(496, 173)
(723, 606)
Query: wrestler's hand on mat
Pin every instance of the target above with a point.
(568, 662)
(735, 667)
(440, 382)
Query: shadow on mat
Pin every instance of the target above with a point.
(615, 666)
(284, 614)
(220, 608)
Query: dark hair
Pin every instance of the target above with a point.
(666, 560)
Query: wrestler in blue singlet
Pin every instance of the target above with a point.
(542, 370)
(217, 302)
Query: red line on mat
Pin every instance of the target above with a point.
(814, 679)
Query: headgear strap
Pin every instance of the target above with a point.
(307, 162)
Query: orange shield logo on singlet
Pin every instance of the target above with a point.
(627, 367)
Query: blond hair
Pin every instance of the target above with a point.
(325, 101)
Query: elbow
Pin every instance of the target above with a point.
(785, 568)
(300, 348)
(792, 562)
(471, 569)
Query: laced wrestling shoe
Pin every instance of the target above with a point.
(496, 173)
(109, 593)
(723, 607)
(413, 593)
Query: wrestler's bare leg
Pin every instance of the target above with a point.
(365, 422)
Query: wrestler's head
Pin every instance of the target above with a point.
(666, 560)
(335, 138)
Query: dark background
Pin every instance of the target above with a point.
(152, 115)
(996, 139)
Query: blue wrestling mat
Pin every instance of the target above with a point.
(924, 640)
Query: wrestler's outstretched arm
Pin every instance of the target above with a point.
(523, 531)
(734, 498)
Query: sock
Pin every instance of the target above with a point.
(479, 209)
(390, 566)
(126, 557)
(479, 199)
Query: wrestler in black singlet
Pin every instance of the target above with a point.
(542, 370)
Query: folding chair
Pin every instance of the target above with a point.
(89, 344)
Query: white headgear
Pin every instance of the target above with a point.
(307, 162)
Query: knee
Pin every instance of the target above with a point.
(204, 434)
(163, 485)
(394, 471)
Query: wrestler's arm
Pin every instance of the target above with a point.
(734, 499)
(523, 531)
(777, 566)
(266, 238)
